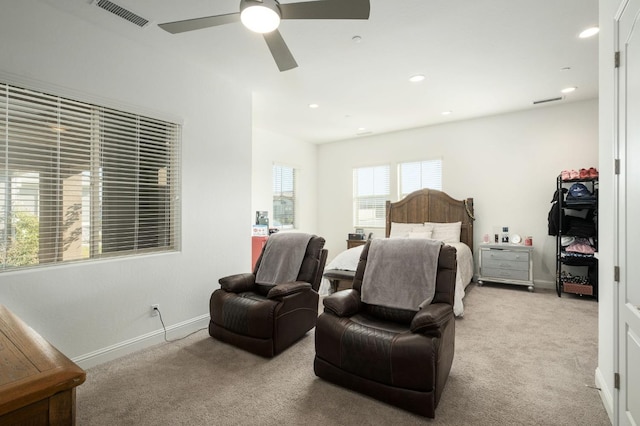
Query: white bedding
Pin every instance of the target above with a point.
(348, 261)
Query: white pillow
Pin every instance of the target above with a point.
(445, 232)
(420, 234)
(401, 230)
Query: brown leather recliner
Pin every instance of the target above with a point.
(267, 319)
(397, 356)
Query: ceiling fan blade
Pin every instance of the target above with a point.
(328, 9)
(279, 50)
(199, 23)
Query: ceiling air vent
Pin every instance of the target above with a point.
(122, 12)
(542, 101)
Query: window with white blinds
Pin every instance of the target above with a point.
(80, 181)
(370, 193)
(284, 197)
(417, 175)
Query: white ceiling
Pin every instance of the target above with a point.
(480, 57)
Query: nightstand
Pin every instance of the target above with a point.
(355, 243)
(506, 263)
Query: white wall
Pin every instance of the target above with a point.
(507, 163)
(271, 148)
(96, 311)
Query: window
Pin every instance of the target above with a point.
(370, 194)
(80, 181)
(419, 174)
(284, 197)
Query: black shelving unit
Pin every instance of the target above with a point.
(584, 225)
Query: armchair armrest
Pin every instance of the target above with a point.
(285, 289)
(343, 303)
(238, 283)
(430, 320)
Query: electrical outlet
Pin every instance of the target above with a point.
(154, 310)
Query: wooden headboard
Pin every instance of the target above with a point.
(429, 205)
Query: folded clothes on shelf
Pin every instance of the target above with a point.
(573, 255)
(580, 245)
(578, 227)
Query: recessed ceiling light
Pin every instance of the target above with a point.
(361, 129)
(356, 39)
(568, 89)
(313, 106)
(416, 78)
(446, 112)
(589, 32)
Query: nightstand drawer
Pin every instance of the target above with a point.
(505, 264)
(509, 255)
(507, 274)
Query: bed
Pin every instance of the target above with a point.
(426, 213)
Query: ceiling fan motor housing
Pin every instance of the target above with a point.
(270, 4)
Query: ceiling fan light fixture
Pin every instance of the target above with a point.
(260, 17)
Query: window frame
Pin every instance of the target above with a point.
(278, 182)
(422, 164)
(30, 115)
(375, 197)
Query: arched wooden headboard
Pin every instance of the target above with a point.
(430, 205)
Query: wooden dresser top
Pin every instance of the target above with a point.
(30, 367)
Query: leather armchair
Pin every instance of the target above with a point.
(267, 319)
(397, 356)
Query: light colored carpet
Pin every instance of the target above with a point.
(521, 359)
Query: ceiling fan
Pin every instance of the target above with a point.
(263, 16)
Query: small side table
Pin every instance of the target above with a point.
(506, 263)
(355, 243)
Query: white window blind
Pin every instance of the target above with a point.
(80, 181)
(370, 194)
(284, 196)
(418, 175)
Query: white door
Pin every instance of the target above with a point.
(628, 37)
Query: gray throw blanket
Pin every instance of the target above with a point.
(282, 257)
(401, 273)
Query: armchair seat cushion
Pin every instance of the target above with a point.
(247, 314)
(380, 351)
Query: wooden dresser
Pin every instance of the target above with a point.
(37, 382)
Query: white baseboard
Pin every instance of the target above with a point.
(118, 350)
(605, 394)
